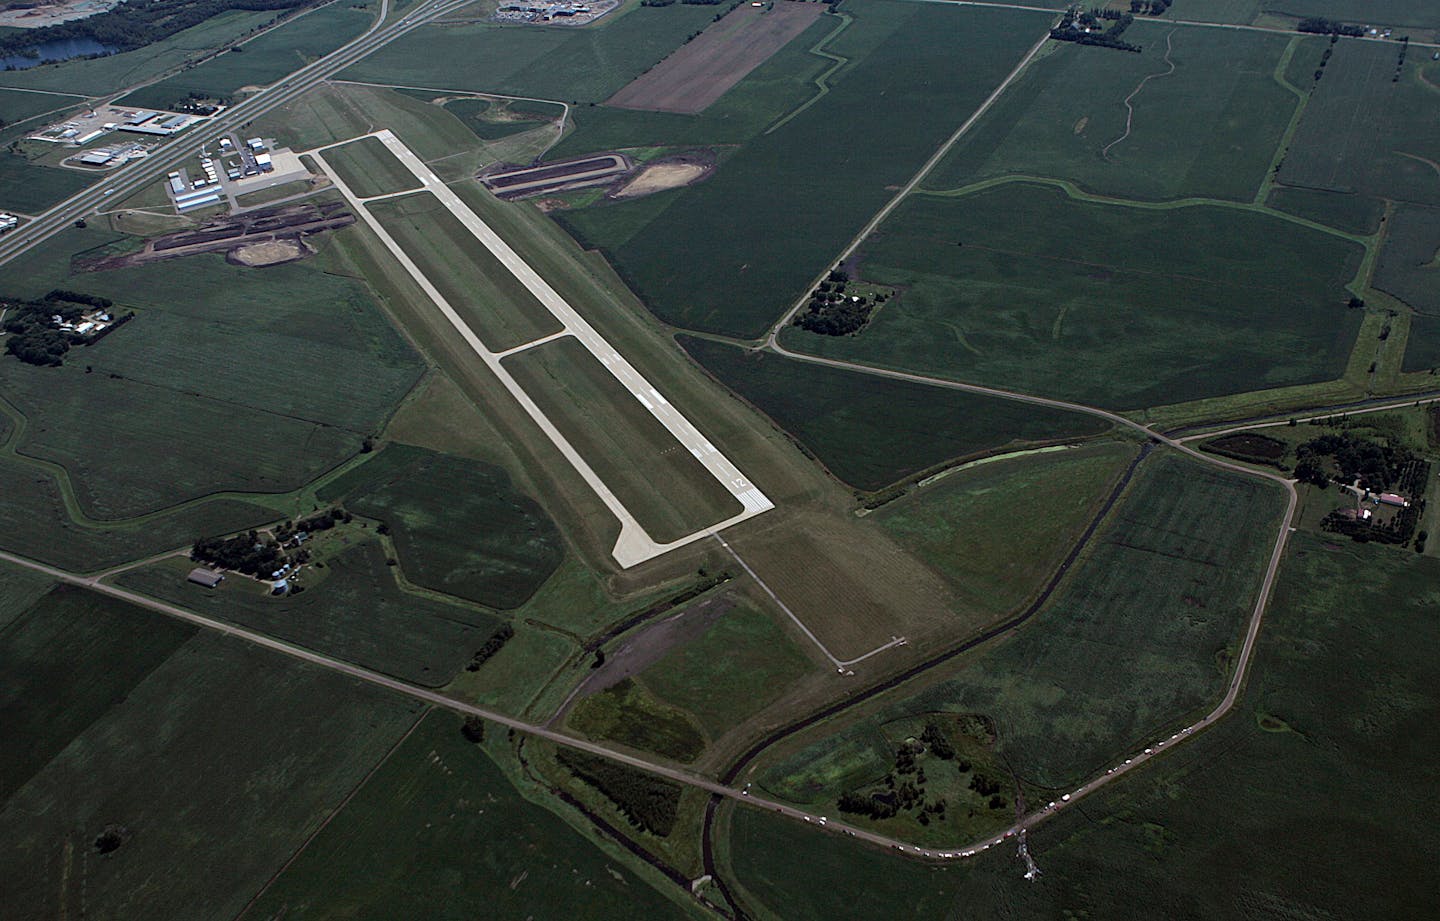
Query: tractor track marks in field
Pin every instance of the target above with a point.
(1130, 109)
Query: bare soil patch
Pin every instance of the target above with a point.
(273, 252)
(670, 173)
(703, 70)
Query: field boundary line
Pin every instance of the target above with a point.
(841, 665)
(822, 80)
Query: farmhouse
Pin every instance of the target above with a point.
(206, 577)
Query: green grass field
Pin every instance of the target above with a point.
(629, 714)
(369, 168)
(661, 483)
(580, 65)
(735, 669)
(1089, 302)
(495, 119)
(1373, 12)
(1136, 639)
(1259, 816)
(18, 105)
(31, 188)
(439, 832)
(1359, 133)
(998, 531)
(99, 76)
(500, 309)
(730, 254)
(1407, 267)
(240, 379)
(1349, 212)
(871, 431)
(460, 526)
(36, 523)
(357, 612)
(195, 745)
(1209, 128)
(263, 61)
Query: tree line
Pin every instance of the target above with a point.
(648, 802)
(34, 337)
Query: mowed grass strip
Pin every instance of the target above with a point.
(871, 431)
(369, 168)
(493, 302)
(661, 483)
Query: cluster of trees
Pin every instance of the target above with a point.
(1319, 25)
(1411, 480)
(648, 802)
(1073, 28)
(1377, 465)
(33, 337)
(248, 553)
(473, 729)
(1400, 59)
(494, 644)
(939, 744)
(834, 311)
(135, 23)
(1149, 7)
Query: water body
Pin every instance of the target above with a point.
(51, 52)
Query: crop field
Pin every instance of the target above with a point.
(357, 612)
(369, 168)
(1408, 267)
(262, 61)
(1169, 580)
(31, 188)
(192, 744)
(997, 531)
(790, 199)
(253, 380)
(439, 832)
(460, 526)
(574, 65)
(740, 666)
(1346, 211)
(1207, 128)
(1359, 133)
(1329, 743)
(35, 523)
(662, 484)
(705, 68)
(99, 76)
(1078, 302)
(1416, 13)
(500, 309)
(18, 105)
(871, 431)
(19, 589)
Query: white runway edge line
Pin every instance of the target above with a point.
(634, 545)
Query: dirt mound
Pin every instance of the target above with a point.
(659, 176)
(273, 252)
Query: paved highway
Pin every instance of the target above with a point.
(131, 178)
